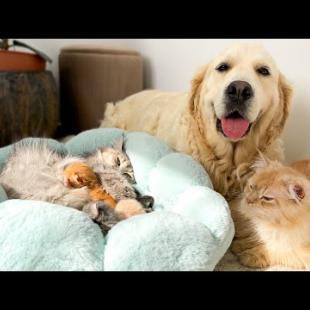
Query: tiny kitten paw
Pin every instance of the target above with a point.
(129, 207)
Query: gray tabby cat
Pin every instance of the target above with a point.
(35, 172)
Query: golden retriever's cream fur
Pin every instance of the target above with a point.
(187, 121)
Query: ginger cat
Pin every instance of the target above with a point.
(276, 205)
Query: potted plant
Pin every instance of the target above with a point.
(21, 61)
(29, 98)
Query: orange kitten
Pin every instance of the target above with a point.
(276, 202)
(79, 174)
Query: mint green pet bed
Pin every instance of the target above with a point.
(190, 229)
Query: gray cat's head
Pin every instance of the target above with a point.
(115, 183)
(114, 157)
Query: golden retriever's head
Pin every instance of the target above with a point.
(239, 90)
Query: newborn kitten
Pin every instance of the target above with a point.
(276, 202)
(79, 174)
(106, 211)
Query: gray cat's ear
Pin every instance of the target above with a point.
(296, 192)
(119, 144)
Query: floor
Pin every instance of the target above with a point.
(230, 263)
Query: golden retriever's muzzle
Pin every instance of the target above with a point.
(234, 124)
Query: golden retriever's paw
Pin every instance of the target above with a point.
(254, 259)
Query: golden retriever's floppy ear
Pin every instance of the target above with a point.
(196, 87)
(277, 123)
(286, 95)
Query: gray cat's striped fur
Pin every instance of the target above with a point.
(35, 172)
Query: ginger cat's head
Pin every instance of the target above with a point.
(276, 194)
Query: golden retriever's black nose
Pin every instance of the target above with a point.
(239, 91)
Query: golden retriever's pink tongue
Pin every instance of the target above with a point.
(234, 128)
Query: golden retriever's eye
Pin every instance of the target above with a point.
(263, 71)
(223, 67)
(266, 198)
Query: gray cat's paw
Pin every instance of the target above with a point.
(96, 210)
(102, 214)
(91, 210)
(107, 217)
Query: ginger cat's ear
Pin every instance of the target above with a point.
(262, 161)
(296, 192)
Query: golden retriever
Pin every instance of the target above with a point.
(238, 104)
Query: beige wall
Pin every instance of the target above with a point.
(170, 64)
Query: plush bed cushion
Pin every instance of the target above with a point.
(191, 227)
